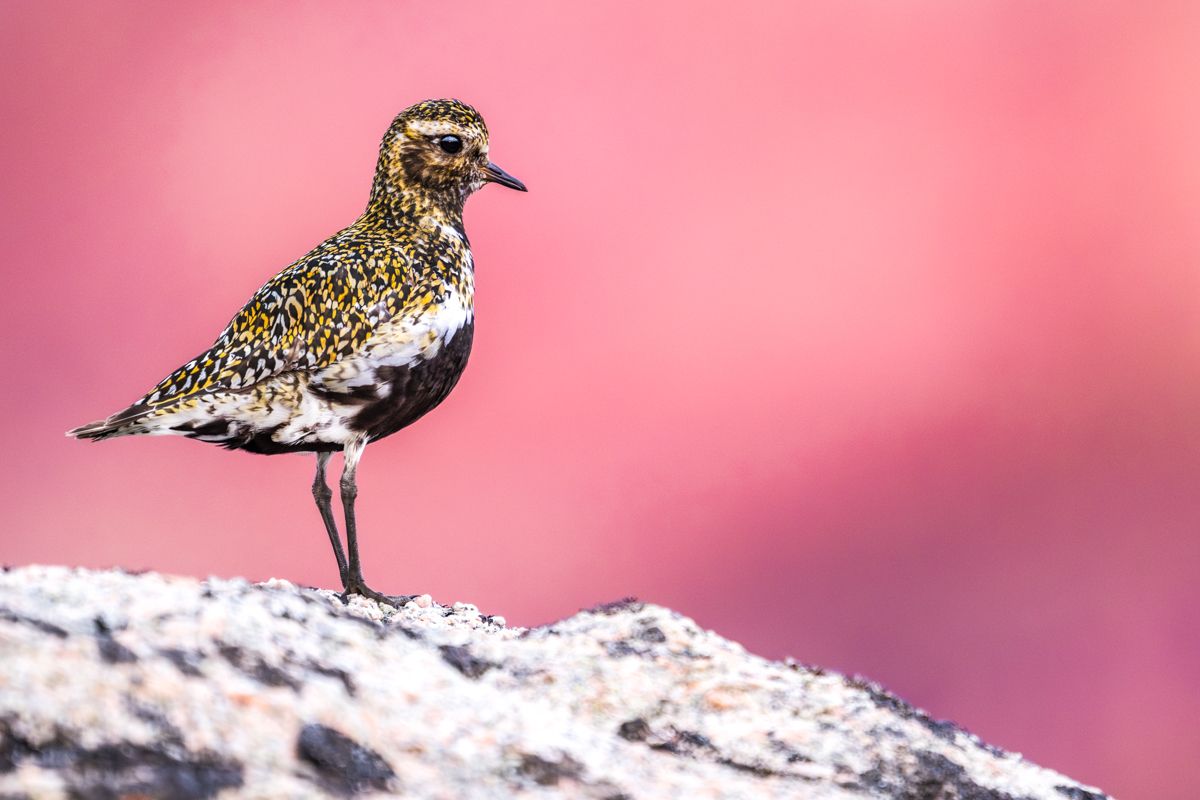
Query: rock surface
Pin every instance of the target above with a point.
(115, 685)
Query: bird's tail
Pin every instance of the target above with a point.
(94, 430)
(123, 423)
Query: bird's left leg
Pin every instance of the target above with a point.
(354, 583)
(322, 495)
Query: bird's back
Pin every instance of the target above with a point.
(356, 338)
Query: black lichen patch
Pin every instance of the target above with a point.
(943, 729)
(168, 733)
(621, 648)
(754, 769)
(548, 772)
(652, 634)
(256, 668)
(811, 669)
(113, 652)
(343, 765)
(8, 615)
(634, 730)
(690, 744)
(186, 661)
(695, 745)
(122, 769)
(792, 755)
(12, 749)
(685, 743)
(396, 627)
(939, 778)
(1079, 793)
(625, 604)
(871, 780)
(641, 642)
(463, 660)
(334, 672)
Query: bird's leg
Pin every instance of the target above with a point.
(322, 495)
(354, 583)
(349, 487)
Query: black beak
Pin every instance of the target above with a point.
(494, 174)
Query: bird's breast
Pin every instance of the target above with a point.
(407, 366)
(404, 390)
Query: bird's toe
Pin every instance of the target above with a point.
(361, 589)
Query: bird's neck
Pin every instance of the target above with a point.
(397, 205)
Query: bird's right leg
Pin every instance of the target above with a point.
(323, 495)
(354, 583)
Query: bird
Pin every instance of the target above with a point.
(357, 339)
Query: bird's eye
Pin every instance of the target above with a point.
(450, 144)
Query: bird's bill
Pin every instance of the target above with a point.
(493, 174)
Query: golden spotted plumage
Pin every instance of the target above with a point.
(358, 338)
(399, 260)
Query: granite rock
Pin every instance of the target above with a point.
(115, 684)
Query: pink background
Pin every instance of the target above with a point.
(865, 335)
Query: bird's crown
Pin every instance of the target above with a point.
(434, 117)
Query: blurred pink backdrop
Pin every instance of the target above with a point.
(865, 333)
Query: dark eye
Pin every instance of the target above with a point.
(450, 144)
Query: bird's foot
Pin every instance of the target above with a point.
(360, 588)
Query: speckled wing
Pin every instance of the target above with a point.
(317, 311)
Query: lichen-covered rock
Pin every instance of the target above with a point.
(116, 685)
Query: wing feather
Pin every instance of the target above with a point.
(321, 308)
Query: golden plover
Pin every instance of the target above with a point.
(357, 339)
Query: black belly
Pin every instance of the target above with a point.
(415, 390)
(409, 393)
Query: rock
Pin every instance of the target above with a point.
(114, 685)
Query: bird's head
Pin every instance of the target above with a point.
(440, 146)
